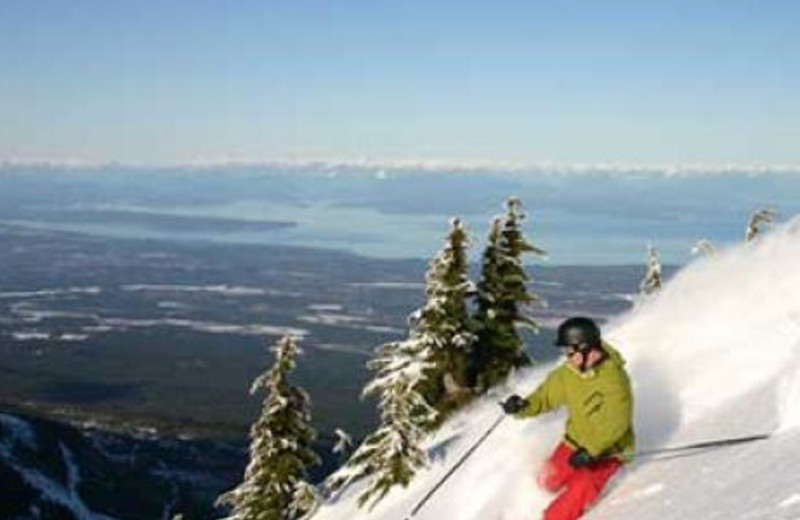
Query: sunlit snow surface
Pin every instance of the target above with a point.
(716, 354)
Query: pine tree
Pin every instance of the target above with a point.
(502, 295)
(764, 217)
(652, 277)
(391, 455)
(704, 247)
(274, 486)
(418, 380)
(444, 324)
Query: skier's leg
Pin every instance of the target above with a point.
(556, 470)
(582, 489)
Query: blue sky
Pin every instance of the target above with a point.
(567, 82)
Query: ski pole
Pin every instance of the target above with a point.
(455, 467)
(718, 443)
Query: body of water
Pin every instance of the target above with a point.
(569, 238)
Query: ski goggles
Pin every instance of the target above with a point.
(571, 350)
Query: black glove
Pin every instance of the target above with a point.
(514, 404)
(581, 458)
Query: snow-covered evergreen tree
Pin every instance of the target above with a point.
(759, 219)
(418, 380)
(652, 276)
(704, 247)
(305, 501)
(274, 486)
(444, 326)
(502, 296)
(391, 455)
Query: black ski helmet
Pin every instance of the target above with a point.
(580, 332)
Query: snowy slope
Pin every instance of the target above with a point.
(716, 354)
(53, 470)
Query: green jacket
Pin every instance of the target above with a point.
(599, 402)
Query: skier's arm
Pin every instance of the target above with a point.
(548, 396)
(613, 419)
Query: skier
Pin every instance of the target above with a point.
(595, 389)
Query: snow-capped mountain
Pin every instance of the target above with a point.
(714, 355)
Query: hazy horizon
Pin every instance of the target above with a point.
(590, 218)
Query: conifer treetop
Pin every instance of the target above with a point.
(443, 322)
(504, 278)
(503, 294)
(652, 278)
(511, 230)
(274, 484)
(758, 220)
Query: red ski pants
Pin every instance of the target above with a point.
(579, 486)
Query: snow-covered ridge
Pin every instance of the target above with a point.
(716, 354)
(381, 167)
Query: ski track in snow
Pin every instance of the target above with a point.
(716, 354)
